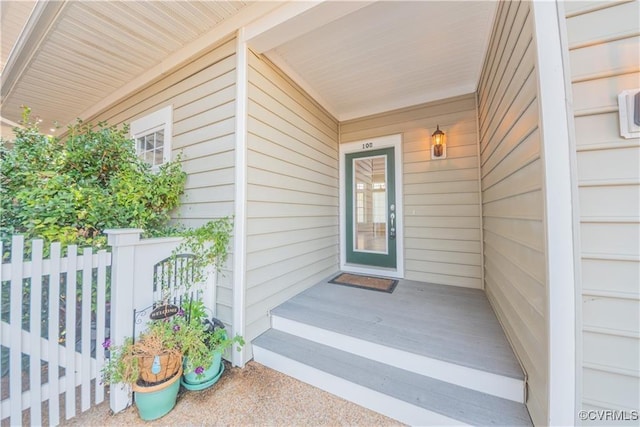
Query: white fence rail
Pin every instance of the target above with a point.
(54, 318)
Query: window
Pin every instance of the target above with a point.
(152, 136)
(360, 207)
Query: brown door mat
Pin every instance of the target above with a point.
(365, 282)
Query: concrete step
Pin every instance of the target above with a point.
(405, 395)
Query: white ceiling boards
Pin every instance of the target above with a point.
(389, 55)
(356, 58)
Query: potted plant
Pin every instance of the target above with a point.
(151, 365)
(203, 365)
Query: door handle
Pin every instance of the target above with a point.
(392, 228)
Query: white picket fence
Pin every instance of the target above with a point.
(82, 279)
(31, 287)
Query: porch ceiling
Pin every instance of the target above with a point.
(387, 55)
(356, 58)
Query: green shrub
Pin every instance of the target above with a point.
(71, 190)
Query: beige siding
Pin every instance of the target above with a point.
(202, 94)
(292, 192)
(604, 60)
(512, 199)
(441, 197)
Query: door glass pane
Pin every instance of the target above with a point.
(370, 204)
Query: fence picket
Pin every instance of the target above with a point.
(100, 321)
(87, 271)
(69, 307)
(35, 297)
(2, 291)
(70, 332)
(54, 330)
(15, 355)
(22, 332)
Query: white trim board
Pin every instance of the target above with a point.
(559, 219)
(389, 141)
(240, 220)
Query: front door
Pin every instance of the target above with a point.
(371, 224)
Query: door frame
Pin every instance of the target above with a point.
(370, 144)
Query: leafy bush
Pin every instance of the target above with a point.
(70, 190)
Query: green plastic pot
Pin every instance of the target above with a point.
(157, 401)
(211, 372)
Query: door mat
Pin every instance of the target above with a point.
(365, 282)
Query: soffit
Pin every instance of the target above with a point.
(357, 58)
(390, 55)
(13, 16)
(94, 48)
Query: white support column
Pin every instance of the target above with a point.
(240, 221)
(122, 242)
(559, 226)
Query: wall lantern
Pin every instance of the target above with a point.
(438, 146)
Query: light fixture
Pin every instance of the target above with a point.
(438, 146)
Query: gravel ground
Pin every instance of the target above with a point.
(255, 395)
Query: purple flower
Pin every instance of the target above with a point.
(199, 370)
(176, 328)
(106, 344)
(181, 312)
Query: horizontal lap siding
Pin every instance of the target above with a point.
(202, 94)
(292, 192)
(441, 197)
(604, 60)
(512, 199)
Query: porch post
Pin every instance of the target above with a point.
(122, 242)
(239, 232)
(558, 215)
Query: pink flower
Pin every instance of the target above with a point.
(106, 344)
(176, 328)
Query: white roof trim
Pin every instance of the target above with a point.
(295, 19)
(408, 101)
(41, 20)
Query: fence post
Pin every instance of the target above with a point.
(122, 242)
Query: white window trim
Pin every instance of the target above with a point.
(160, 119)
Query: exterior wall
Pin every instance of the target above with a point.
(441, 197)
(202, 94)
(512, 196)
(604, 60)
(292, 193)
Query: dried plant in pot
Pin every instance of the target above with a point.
(152, 358)
(151, 365)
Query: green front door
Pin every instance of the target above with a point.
(371, 208)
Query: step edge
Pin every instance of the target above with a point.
(376, 401)
(485, 382)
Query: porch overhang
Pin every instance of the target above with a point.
(74, 59)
